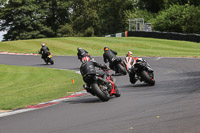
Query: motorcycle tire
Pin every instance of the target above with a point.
(145, 76)
(122, 69)
(51, 61)
(102, 95)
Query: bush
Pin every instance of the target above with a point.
(178, 18)
(89, 32)
(65, 31)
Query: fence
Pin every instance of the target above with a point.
(160, 35)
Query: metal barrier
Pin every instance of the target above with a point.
(159, 35)
(166, 35)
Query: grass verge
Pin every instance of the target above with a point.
(94, 45)
(22, 86)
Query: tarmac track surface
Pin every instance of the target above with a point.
(171, 106)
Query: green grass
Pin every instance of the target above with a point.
(22, 86)
(94, 45)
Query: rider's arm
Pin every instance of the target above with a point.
(78, 54)
(41, 51)
(86, 51)
(114, 52)
(103, 66)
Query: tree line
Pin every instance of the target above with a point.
(30, 19)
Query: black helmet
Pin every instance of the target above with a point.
(79, 48)
(106, 48)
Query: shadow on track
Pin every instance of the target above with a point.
(84, 100)
(87, 100)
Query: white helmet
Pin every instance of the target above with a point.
(43, 44)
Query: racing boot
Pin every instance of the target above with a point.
(87, 88)
(117, 94)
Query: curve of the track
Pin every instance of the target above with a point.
(171, 106)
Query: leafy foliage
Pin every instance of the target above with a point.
(29, 19)
(185, 19)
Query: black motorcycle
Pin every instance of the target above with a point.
(118, 65)
(97, 86)
(48, 58)
(139, 69)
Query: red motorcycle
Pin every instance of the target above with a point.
(101, 88)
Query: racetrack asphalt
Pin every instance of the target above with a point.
(171, 106)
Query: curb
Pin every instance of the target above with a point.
(41, 105)
(17, 53)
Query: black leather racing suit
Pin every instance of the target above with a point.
(108, 55)
(88, 68)
(44, 50)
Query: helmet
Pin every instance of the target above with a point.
(43, 44)
(79, 48)
(130, 54)
(106, 48)
(84, 59)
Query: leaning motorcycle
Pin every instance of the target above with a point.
(140, 70)
(99, 87)
(118, 65)
(49, 59)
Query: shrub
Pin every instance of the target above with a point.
(178, 18)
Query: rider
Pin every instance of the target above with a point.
(44, 50)
(108, 56)
(82, 53)
(88, 67)
(131, 62)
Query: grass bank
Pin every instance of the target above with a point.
(94, 45)
(22, 86)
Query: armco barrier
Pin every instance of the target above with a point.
(166, 35)
(160, 35)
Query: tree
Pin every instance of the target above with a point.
(58, 14)
(111, 14)
(29, 19)
(84, 17)
(22, 20)
(178, 18)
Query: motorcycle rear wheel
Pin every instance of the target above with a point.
(122, 69)
(102, 95)
(51, 61)
(145, 76)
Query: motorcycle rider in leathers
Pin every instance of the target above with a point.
(88, 67)
(107, 56)
(44, 50)
(132, 62)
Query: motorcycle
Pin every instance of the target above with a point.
(139, 69)
(48, 58)
(118, 65)
(97, 86)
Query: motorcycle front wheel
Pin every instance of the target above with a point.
(103, 95)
